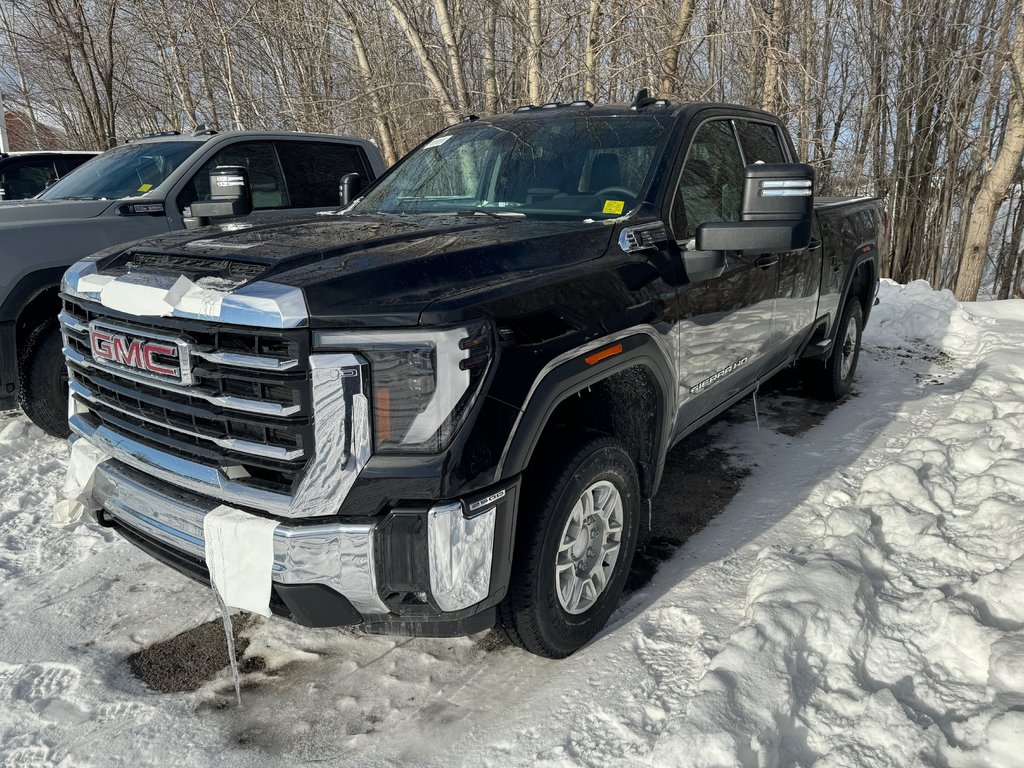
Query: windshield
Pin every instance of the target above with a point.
(131, 170)
(558, 166)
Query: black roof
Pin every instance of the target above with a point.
(621, 109)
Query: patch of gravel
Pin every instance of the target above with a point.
(191, 659)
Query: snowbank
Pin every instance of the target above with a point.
(895, 638)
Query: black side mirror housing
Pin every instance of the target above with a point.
(778, 204)
(349, 187)
(230, 195)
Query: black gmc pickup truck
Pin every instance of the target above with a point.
(455, 395)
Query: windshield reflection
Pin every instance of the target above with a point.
(131, 170)
(554, 166)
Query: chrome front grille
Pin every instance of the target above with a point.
(243, 430)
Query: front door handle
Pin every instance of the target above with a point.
(768, 260)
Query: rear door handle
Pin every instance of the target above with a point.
(768, 260)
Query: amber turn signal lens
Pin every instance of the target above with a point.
(382, 412)
(603, 354)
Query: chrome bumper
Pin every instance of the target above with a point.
(337, 555)
(340, 555)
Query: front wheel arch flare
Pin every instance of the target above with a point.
(575, 377)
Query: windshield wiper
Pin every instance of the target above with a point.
(77, 197)
(492, 214)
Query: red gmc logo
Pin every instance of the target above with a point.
(134, 353)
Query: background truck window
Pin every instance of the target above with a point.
(27, 178)
(265, 175)
(314, 168)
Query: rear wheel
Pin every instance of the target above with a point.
(577, 535)
(834, 381)
(43, 393)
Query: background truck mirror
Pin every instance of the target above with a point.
(349, 187)
(230, 194)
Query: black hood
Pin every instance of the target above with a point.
(382, 270)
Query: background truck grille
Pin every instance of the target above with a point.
(247, 410)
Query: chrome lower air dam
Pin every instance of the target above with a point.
(341, 433)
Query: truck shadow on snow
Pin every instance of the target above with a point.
(705, 476)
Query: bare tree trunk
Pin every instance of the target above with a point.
(454, 58)
(997, 181)
(448, 109)
(772, 99)
(590, 55)
(387, 143)
(677, 35)
(533, 53)
(489, 55)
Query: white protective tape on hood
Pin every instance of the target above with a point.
(195, 299)
(240, 556)
(75, 500)
(149, 296)
(136, 299)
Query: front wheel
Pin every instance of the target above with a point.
(577, 535)
(43, 393)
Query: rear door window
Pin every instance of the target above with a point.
(266, 178)
(313, 170)
(760, 142)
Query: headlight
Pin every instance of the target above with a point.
(424, 382)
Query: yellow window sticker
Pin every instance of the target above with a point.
(613, 206)
(145, 188)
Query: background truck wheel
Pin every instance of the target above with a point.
(574, 547)
(834, 381)
(44, 380)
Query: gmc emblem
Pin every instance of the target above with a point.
(155, 356)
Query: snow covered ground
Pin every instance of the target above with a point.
(859, 602)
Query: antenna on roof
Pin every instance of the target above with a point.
(644, 99)
(641, 96)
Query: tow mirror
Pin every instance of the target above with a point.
(778, 201)
(349, 187)
(230, 195)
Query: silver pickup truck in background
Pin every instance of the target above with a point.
(140, 189)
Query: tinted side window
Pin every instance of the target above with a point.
(760, 142)
(711, 183)
(27, 178)
(265, 175)
(313, 170)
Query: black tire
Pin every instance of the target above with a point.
(43, 393)
(532, 615)
(831, 382)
